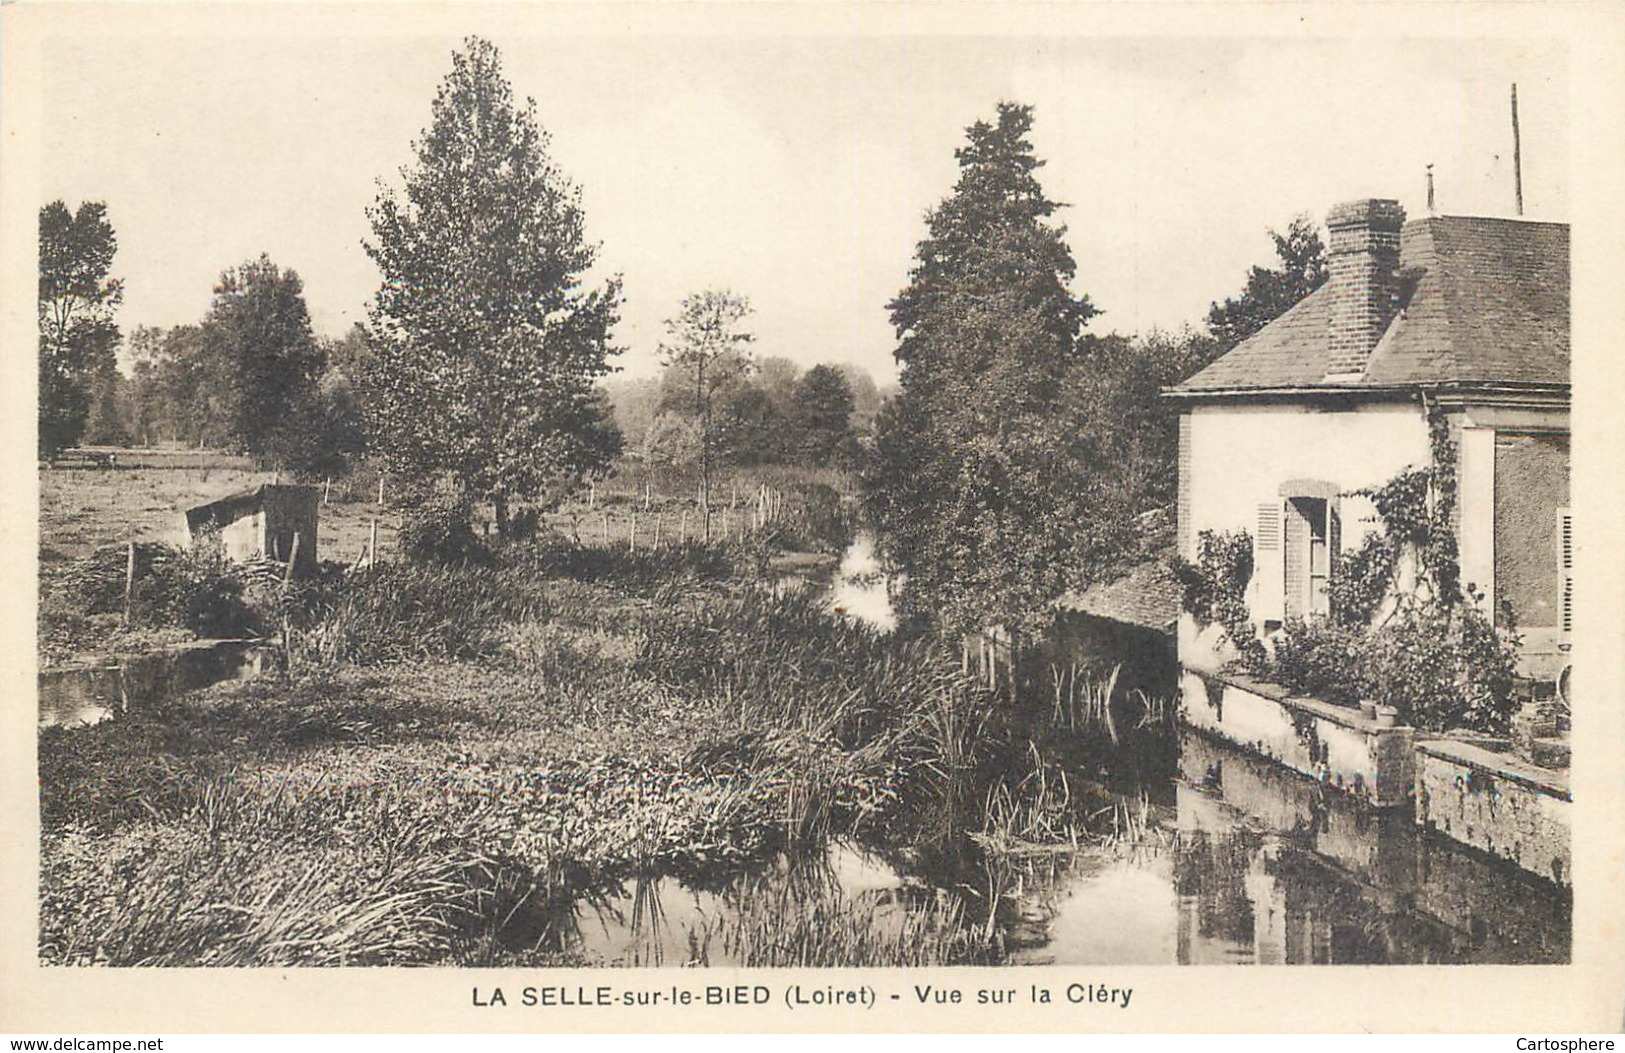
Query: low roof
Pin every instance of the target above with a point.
(239, 503)
(1148, 595)
(1490, 307)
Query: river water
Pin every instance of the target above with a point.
(1250, 864)
(1233, 860)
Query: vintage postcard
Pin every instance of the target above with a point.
(554, 517)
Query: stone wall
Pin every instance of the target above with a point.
(1332, 743)
(1497, 803)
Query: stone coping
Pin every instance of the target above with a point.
(1347, 716)
(1508, 766)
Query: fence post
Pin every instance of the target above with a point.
(592, 496)
(129, 581)
(632, 539)
(372, 545)
(327, 488)
(380, 489)
(682, 535)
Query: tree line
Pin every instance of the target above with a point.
(1012, 462)
(1021, 450)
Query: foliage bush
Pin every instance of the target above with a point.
(438, 525)
(1323, 659)
(1444, 669)
(194, 588)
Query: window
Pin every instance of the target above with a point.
(1295, 550)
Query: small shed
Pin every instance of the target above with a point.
(262, 521)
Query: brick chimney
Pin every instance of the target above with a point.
(1363, 261)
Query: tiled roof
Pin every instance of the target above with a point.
(1148, 595)
(1491, 306)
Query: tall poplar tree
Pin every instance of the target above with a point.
(486, 345)
(975, 483)
(78, 338)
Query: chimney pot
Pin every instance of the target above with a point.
(1363, 280)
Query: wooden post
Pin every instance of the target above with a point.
(592, 496)
(327, 489)
(632, 538)
(372, 545)
(129, 581)
(682, 535)
(648, 495)
(293, 557)
(380, 489)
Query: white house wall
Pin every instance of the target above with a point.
(1241, 454)
(1475, 500)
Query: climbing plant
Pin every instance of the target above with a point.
(1438, 659)
(1215, 587)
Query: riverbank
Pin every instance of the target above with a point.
(381, 810)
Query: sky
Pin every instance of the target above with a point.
(795, 170)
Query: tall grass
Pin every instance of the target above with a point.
(297, 823)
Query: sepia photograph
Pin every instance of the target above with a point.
(519, 496)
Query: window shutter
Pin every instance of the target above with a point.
(1565, 571)
(1269, 570)
(1334, 537)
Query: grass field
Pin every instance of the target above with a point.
(555, 735)
(455, 759)
(86, 510)
(83, 509)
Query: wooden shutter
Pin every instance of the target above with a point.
(1565, 571)
(1269, 568)
(1334, 533)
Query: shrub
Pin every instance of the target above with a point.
(437, 526)
(1216, 588)
(1444, 669)
(1323, 660)
(194, 588)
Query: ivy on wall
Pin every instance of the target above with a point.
(1437, 659)
(1216, 588)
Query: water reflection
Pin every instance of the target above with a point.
(1249, 865)
(797, 904)
(77, 696)
(860, 590)
(1269, 868)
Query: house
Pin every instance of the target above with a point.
(1458, 321)
(278, 522)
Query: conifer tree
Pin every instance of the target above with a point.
(975, 485)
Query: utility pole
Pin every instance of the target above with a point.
(1517, 152)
